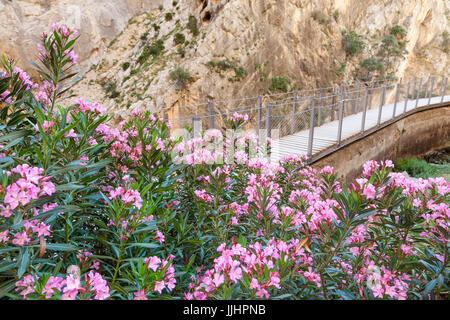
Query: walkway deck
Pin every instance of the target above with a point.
(326, 135)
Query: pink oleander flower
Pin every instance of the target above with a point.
(99, 285)
(153, 262)
(42, 230)
(70, 134)
(369, 191)
(202, 195)
(159, 286)
(140, 295)
(159, 236)
(369, 167)
(4, 236)
(47, 125)
(328, 170)
(20, 239)
(312, 276)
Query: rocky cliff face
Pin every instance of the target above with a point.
(99, 21)
(232, 48)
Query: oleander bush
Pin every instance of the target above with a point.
(93, 211)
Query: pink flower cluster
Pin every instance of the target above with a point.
(238, 263)
(202, 195)
(68, 288)
(165, 281)
(85, 107)
(128, 196)
(66, 35)
(30, 186)
(236, 117)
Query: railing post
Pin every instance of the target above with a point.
(431, 90)
(363, 117)
(444, 86)
(311, 128)
(319, 116)
(426, 88)
(259, 103)
(211, 114)
(418, 93)
(268, 119)
(333, 105)
(340, 116)
(196, 126)
(380, 109)
(358, 96)
(294, 107)
(407, 96)
(399, 84)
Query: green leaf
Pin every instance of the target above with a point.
(14, 135)
(23, 262)
(68, 187)
(430, 286)
(67, 208)
(61, 247)
(144, 245)
(283, 296)
(6, 287)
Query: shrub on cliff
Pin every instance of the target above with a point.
(352, 43)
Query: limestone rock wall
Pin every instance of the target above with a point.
(298, 40)
(99, 22)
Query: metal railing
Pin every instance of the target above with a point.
(325, 116)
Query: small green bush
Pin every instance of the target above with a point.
(179, 38)
(352, 43)
(391, 46)
(222, 65)
(168, 16)
(279, 83)
(125, 66)
(372, 64)
(110, 89)
(445, 42)
(336, 15)
(181, 52)
(155, 49)
(144, 36)
(134, 71)
(180, 76)
(418, 168)
(156, 27)
(192, 25)
(398, 30)
(240, 73)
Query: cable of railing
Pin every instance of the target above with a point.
(296, 92)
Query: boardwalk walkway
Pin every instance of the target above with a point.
(318, 121)
(326, 135)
